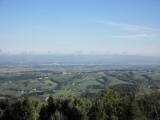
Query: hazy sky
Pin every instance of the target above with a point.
(80, 26)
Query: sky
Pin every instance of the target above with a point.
(80, 26)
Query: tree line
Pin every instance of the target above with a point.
(109, 105)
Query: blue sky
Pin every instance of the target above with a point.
(80, 26)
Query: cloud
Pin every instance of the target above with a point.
(133, 36)
(130, 27)
(135, 31)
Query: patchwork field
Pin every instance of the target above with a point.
(42, 83)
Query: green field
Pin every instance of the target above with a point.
(42, 83)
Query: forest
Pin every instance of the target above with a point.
(108, 105)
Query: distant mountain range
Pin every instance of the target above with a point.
(60, 59)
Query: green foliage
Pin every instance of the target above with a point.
(83, 106)
(149, 106)
(107, 106)
(59, 109)
(20, 110)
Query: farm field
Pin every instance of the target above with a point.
(42, 83)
